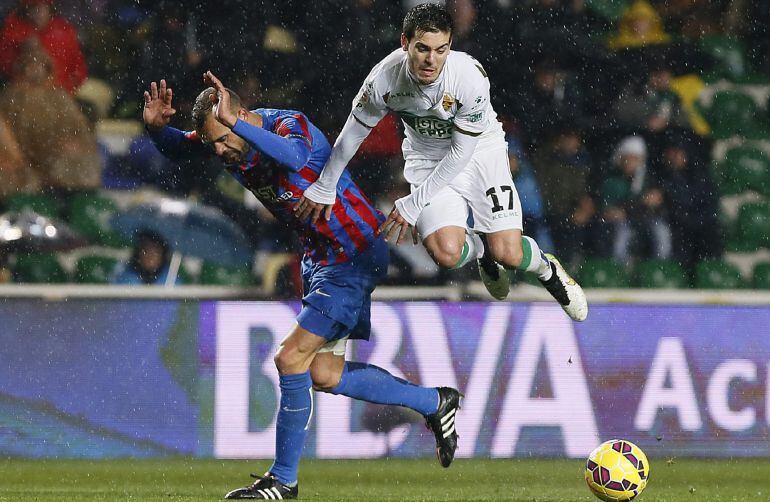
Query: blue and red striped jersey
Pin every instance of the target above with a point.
(278, 177)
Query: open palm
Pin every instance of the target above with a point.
(157, 106)
(222, 110)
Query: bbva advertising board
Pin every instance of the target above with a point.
(151, 378)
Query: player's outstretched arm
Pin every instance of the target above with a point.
(320, 196)
(158, 109)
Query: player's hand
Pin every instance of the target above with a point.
(158, 111)
(396, 225)
(221, 101)
(306, 207)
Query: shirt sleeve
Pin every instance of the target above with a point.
(289, 144)
(177, 144)
(473, 96)
(324, 190)
(369, 106)
(460, 154)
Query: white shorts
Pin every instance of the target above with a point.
(336, 347)
(483, 190)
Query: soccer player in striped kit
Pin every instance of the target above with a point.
(277, 154)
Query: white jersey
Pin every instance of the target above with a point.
(458, 98)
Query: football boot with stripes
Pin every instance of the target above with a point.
(442, 423)
(266, 487)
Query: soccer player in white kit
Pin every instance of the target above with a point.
(455, 160)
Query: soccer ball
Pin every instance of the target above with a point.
(617, 470)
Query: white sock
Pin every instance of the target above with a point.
(473, 249)
(534, 260)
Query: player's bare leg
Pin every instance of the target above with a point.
(514, 251)
(452, 247)
(296, 352)
(445, 246)
(326, 371)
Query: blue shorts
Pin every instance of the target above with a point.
(337, 299)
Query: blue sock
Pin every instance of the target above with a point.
(291, 425)
(375, 385)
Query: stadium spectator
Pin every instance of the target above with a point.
(692, 204)
(557, 27)
(149, 262)
(529, 193)
(59, 146)
(114, 36)
(171, 30)
(12, 161)
(35, 22)
(569, 208)
(694, 19)
(552, 96)
(652, 106)
(633, 207)
(640, 26)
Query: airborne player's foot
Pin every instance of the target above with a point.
(442, 423)
(266, 487)
(494, 276)
(566, 291)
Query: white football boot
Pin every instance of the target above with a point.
(566, 291)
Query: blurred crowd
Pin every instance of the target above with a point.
(610, 153)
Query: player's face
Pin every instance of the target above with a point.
(427, 53)
(227, 145)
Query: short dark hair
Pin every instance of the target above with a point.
(203, 106)
(427, 17)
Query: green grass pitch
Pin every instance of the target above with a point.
(373, 480)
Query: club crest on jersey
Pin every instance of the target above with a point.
(447, 102)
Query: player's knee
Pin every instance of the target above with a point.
(446, 253)
(325, 378)
(288, 359)
(506, 252)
